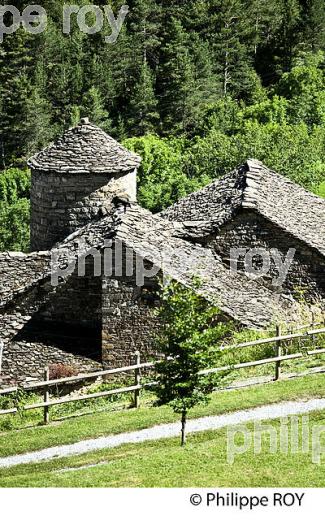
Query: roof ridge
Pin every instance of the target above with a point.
(253, 178)
(254, 186)
(255, 199)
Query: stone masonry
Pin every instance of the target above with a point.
(84, 208)
(72, 182)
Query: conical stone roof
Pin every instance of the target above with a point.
(85, 149)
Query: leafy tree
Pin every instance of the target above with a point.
(14, 185)
(14, 210)
(224, 115)
(190, 335)
(14, 228)
(272, 110)
(292, 150)
(162, 180)
(320, 190)
(304, 87)
(176, 70)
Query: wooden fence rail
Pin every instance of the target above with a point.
(84, 377)
(137, 368)
(265, 341)
(9, 390)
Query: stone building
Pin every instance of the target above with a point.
(84, 295)
(255, 208)
(72, 181)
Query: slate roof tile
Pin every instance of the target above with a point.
(85, 149)
(161, 242)
(256, 187)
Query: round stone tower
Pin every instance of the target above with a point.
(74, 180)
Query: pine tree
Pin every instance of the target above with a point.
(16, 66)
(100, 76)
(39, 131)
(229, 33)
(314, 24)
(120, 132)
(176, 77)
(92, 107)
(207, 87)
(288, 35)
(145, 31)
(117, 62)
(276, 36)
(63, 57)
(265, 19)
(143, 114)
(171, 61)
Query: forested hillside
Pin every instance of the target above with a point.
(194, 86)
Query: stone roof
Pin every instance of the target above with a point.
(85, 149)
(19, 272)
(158, 242)
(255, 187)
(151, 238)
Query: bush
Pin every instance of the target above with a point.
(14, 185)
(14, 210)
(320, 190)
(60, 371)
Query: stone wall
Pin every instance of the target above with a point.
(85, 321)
(45, 325)
(106, 319)
(306, 277)
(76, 302)
(61, 204)
(128, 322)
(24, 361)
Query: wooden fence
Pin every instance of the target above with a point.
(137, 367)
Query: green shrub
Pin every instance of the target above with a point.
(14, 210)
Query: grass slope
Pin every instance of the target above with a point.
(202, 463)
(106, 423)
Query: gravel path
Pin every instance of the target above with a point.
(166, 431)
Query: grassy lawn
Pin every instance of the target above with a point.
(202, 463)
(103, 407)
(106, 423)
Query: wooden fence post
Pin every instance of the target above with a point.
(137, 379)
(46, 396)
(278, 354)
